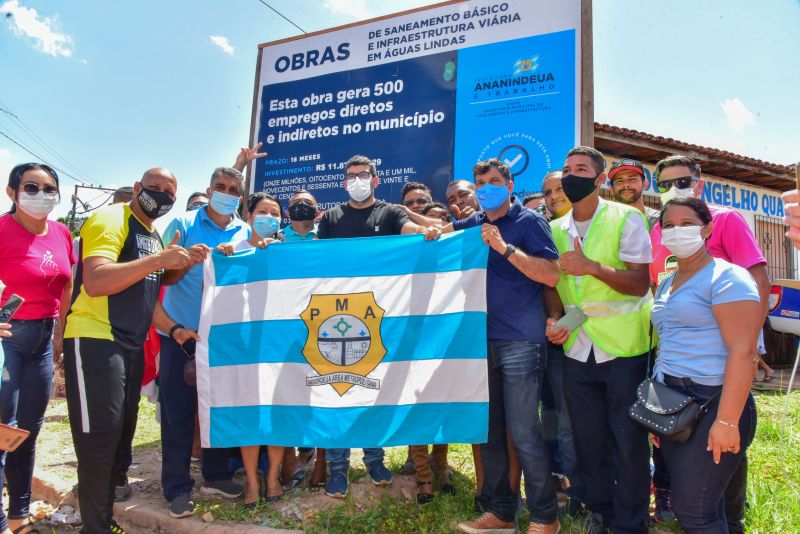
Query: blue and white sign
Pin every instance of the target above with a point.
(425, 94)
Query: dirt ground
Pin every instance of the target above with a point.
(56, 458)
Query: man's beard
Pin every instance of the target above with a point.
(636, 197)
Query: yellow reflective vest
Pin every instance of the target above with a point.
(618, 324)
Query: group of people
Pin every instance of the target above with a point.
(572, 290)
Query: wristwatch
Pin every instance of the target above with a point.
(509, 251)
(175, 327)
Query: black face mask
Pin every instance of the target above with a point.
(302, 212)
(577, 187)
(154, 204)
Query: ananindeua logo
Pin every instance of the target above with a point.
(344, 340)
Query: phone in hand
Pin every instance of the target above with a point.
(572, 320)
(10, 308)
(189, 346)
(11, 437)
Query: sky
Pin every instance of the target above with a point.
(114, 88)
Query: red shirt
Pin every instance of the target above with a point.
(35, 267)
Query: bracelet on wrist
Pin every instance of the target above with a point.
(174, 327)
(727, 423)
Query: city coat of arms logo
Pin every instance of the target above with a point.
(344, 340)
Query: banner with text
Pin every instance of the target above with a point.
(425, 94)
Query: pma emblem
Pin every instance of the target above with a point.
(344, 340)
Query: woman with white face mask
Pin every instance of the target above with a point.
(264, 218)
(36, 265)
(704, 313)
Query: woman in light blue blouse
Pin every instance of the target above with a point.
(706, 314)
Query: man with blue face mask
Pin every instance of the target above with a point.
(522, 261)
(203, 228)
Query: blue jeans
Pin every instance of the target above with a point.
(698, 484)
(27, 382)
(339, 459)
(556, 424)
(516, 371)
(178, 406)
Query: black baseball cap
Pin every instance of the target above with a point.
(626, 164)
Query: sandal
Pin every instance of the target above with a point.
(267, 496)
(253, 505)
(261, 490)
(424, 497)
(769, 377)
(21, 529)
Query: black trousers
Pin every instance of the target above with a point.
(103, 382)
(612, 449)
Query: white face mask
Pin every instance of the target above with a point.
(37, 206)
(683, 241)
(358, 189)
(674, 192)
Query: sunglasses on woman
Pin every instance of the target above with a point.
(32, 189)
(681, 183)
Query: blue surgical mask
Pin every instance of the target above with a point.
(223, 203)
(492, 196)
(266, 225)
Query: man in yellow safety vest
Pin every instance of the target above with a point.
(605, 291)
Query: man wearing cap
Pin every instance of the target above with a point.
(628, 182)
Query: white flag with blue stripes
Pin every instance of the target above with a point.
(366, 342)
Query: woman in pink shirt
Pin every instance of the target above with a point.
(36, 265)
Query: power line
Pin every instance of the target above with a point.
(25, 129)
(34, 154)
(284, 17)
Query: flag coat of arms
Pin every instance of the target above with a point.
(341, 343)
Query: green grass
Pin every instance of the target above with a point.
(773, 490)
(148, 431)
(773, 483)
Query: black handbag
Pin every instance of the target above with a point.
(666, 412)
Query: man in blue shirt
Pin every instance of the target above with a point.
(522, 261)
(199, 231)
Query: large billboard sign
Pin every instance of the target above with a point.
(425, 94)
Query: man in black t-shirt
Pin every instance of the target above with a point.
(363, 216)
(377, 218)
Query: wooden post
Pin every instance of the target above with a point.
(587, 75)
(249, 181)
